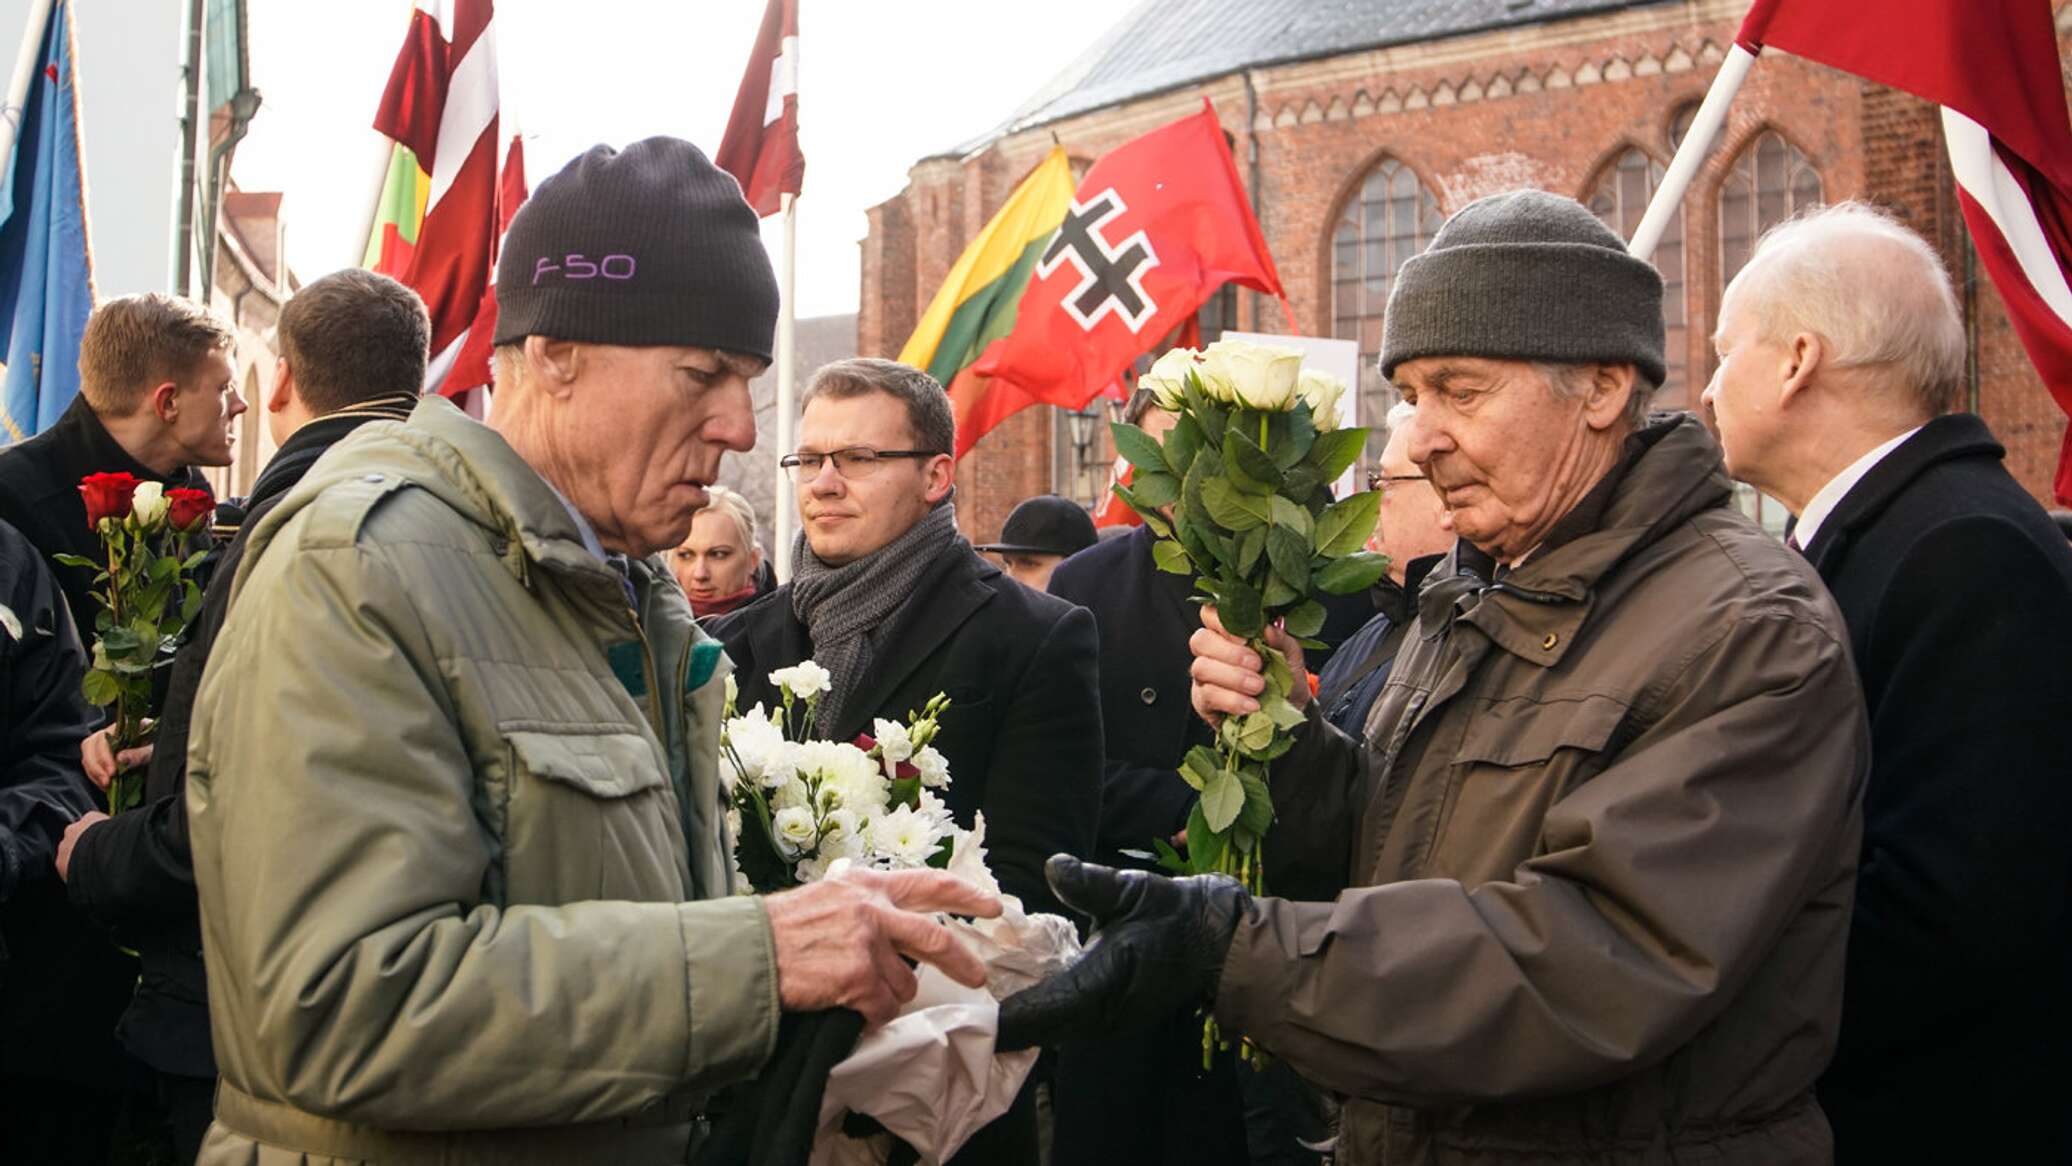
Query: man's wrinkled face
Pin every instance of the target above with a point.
(1745, 396)
(205, 405)
(644, 436)
(846, 518)
(1499, 446)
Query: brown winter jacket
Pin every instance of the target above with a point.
(1602, 838)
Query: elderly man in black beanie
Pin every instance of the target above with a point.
(1598, 838)
(452, 777)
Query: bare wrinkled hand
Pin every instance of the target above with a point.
(844, 942)
(70, 841)
(1229, 676)
(102, 763)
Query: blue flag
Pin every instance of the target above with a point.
(46, 268)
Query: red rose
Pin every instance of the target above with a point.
(107, 496)
(188, 508)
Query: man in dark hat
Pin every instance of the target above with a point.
(1041, 533)
(463, 875)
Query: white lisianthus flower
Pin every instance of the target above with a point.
(893, 743)
(733, 690)
(795, 793)
(803, 680)
(1167, 377)
(905, 838)
(795, 830)
(1262, 376)
(847, 776)
(842, 835)
(148, 505)
(1321, 392)
(934, 767)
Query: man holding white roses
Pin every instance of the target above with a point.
(1598, 839)
(453, 774)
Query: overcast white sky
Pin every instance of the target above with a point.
(882, 83)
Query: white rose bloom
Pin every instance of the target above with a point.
(1261, 375)
(905, 838)
(1321, 391)
(934, 767)
(1167, 377)
(148, 504)
(795, 830)
(804, 680)
(893, 743)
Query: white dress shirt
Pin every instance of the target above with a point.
(1828, 497)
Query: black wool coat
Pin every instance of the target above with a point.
(1023, 731)
(134, 874)
(39, 495)
(1957, 589)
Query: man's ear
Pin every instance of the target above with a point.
(163, 401)
(1804, 357)
(553, 365)
(1611, 387)
(283, 393)
(941, 474)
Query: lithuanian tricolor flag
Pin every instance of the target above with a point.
(399, 215)
(978, 300)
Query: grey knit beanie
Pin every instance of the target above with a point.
(1526, 276)
(650, 245)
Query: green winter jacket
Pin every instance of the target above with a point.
(457, 829)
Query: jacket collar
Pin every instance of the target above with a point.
(1671, 470)
(307, 444)
(943, 600)
(1944, 439)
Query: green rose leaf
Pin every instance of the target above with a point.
(1247, 466)
(1294, 433)
(1232, 510)
(1250, 545)
(1290, 554)
(1345, 527)
(1149, 514)
(1140, 448)
(1240, 610)
(1284, 714)
(1257, 815)
(101, 688)
(1171, 557)
(1352, 573)
(1221, 800)
(1194, 774)
(1335, 452)
(1306, 620)
(1301, 482)
(74, 560)
(1255, 731)
(1293, 517)
(1182, 444)
(1169, 860)
(1155, 490)
(1204, 844)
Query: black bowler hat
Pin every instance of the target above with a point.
(1045, 525)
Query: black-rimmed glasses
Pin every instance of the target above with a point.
(854, 463)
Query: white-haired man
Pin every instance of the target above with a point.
(1842, 357)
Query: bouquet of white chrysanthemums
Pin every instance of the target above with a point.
(799, 804)
(801, 809)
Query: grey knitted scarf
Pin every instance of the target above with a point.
(844, 607)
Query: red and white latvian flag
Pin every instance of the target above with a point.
(1993, 67)
(761, 148)
(438, 220)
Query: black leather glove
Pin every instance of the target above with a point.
(1158, 950)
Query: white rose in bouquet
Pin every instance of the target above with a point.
(894, 743)
(1260, 376)
(1167, 377)
(804, 680)
(1321, 392)
(795, 830)
(148, 505)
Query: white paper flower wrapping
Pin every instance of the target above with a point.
(930, 1075)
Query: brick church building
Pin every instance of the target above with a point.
(1359, 126)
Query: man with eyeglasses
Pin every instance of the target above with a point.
(897, 606)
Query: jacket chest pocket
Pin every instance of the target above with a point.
(1513, 762)
(591, 816)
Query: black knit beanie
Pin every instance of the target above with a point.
(650, 245)
(1526, 276)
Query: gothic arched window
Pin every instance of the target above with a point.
(1770, 182)
(1391, 219)
(1620, 198)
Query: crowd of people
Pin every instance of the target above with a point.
(1617, 830)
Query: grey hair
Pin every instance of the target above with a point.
(736, 507)
(1569, 381)
(1812, 275)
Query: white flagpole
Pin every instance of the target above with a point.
(1705, 126)
(786, 510)
(24, 73)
